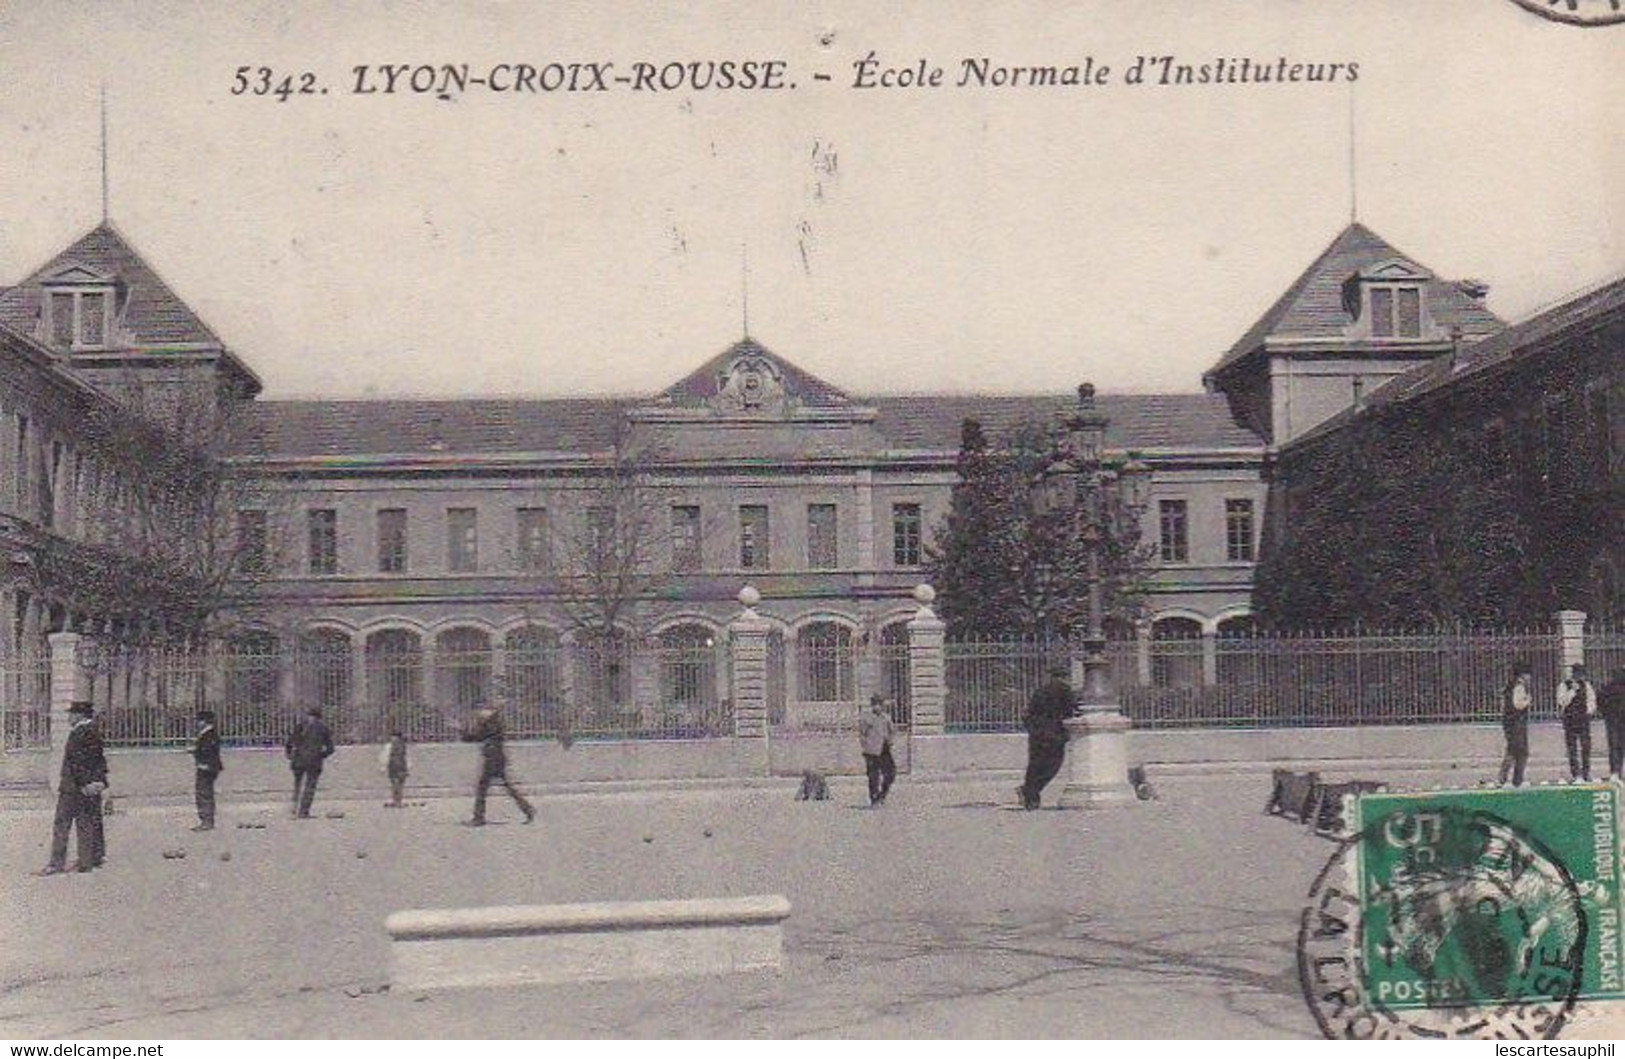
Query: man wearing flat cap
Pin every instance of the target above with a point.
(79, 794)
(206, 756)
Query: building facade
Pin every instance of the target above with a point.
(381, 535)
(1484, 486)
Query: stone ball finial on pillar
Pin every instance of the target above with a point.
(924, 594)
(749, 597)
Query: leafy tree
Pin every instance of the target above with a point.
(1001, 569)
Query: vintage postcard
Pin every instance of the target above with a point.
(811, 520)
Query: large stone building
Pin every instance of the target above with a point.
(388, 532)
(1485, 485)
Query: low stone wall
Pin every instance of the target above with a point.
(143, 773)
(603, 941)
(1329, 749)
(442, 767)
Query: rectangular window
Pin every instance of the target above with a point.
(822, 527)
(1175, 542)
(601, 536)
(253, 542)
(1238, 530)
(323, 526)
(392, 540)
(62, 319)
(685, 537)
(462, 540)
(1382, 312)
(535, 540)
(1396, 311)
(92, 319)
(753, 546)
(1410, 312)
(905, 534)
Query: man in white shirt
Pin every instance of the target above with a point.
(874, 734)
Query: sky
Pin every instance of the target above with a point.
(890, 240)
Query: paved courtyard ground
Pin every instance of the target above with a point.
(944, 914)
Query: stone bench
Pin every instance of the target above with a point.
(464, 947)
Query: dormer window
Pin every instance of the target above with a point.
(1386, 300)
(1396, 312)
(78, 309)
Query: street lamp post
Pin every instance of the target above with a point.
(1098, 494)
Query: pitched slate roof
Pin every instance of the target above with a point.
(153, 313)
(1521, 341)
(1138, 421)
(424, 427)
(924, 422)
(700, 385)
(1313, 306)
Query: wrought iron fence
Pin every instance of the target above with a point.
(678, 688)
(25, 702)
(1604, 650)
(1264, 681)
(895, 682)
(616, 690)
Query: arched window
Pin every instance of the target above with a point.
(603, 684)
(894, 670)
(1236, 657)
(462, 670)
(1176, 652)
(824, 663)
(251, 669)
(534, 678)
(688, 667)
(322, 671)
(394, 663)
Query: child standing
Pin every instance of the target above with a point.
(395, 767)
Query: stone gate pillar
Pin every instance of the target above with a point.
(1571, 630)
(928, 684)
(748, 634)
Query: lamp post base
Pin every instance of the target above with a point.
(1097, 760)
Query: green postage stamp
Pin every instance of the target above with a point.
(1489, 896)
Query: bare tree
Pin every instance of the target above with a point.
(614, 551)
(194, 531)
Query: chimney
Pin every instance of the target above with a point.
(1475, 289)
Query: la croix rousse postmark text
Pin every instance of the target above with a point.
(871, 72)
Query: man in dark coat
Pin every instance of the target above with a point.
(79, 794)
(1049, 708)
(1611, 704)
(486, 730)
(309, 745)
(206, 757)
(1577, 702)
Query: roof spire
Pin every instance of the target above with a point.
(106, 212)
(744, 288)
(1354, 177)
